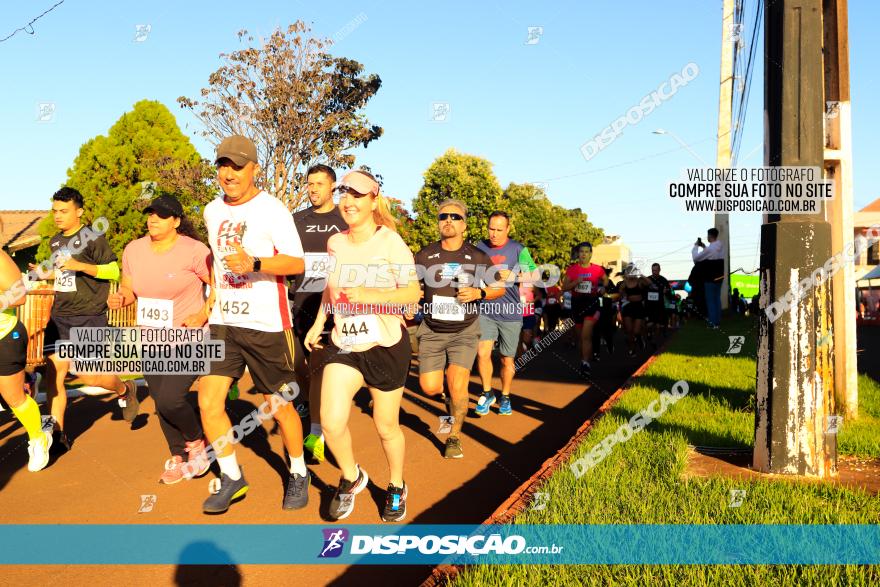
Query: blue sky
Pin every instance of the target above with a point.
(526, 107)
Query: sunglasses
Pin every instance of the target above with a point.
(443, 216)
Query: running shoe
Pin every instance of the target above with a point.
(395, 504)
(129, 401)
(197, 453)
(59, 437)
(38, 451)
(297, 495)
(453, 448)
(342, 503)
(486, 401)
(173, 472)
(315, 445)
(504, 408)
(224, 491)
(586, 369)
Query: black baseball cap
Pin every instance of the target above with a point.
(165, 206)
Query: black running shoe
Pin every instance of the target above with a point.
(395, 504)
(224, 491)
(297, 495)
(342, 503)
(586, 369)
(129, 401)
(61, 440)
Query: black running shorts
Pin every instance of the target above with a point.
(384, 368)
(267, 355)
(13, 351)
(59, 327)
(634, 310)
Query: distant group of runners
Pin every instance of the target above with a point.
(320, 333)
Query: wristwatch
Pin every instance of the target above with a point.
(482, 294)
(257, 264)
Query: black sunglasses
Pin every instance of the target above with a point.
(444, 215)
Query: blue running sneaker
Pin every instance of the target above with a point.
(504, 408)
(486, 401)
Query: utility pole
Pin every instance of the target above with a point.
(838, 167)
(722, 159)
(795, 376)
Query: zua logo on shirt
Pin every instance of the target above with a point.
(334, 542)
(319, 228)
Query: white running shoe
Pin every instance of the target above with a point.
(38, 452)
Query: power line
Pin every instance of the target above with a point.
(639, 160)
(29, 25)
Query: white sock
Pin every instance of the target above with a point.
(229, 467)
(298, 465)
(316, 430)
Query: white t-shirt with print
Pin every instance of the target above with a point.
(264, 228)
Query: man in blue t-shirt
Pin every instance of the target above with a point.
(501, 319)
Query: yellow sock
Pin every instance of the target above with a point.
(28, 414)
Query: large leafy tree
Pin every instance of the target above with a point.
(299, 104)
(143, 155)
(458, 176)
(549, 230)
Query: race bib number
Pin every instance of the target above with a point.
(155, 313)
(551, 300)
(566, 301)
(65, 280)
(359, 329)
(447, 308)
(585, 287)
(653, 296)
(235, 311)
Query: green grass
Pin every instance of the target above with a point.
(641, 480)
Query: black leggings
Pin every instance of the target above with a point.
(178, 418)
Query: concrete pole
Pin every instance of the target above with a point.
(795, 375)
(722, 159)
(838, 167)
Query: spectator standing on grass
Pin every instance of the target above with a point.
(711, 257)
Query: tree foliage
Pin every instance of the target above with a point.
(300, 105)
(143, 155)
(549, 230)
(458, 176)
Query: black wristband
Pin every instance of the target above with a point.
(257, 264)
(482, 294)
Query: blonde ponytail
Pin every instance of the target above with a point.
(382, 214)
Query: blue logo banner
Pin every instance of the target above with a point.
(439, 544)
